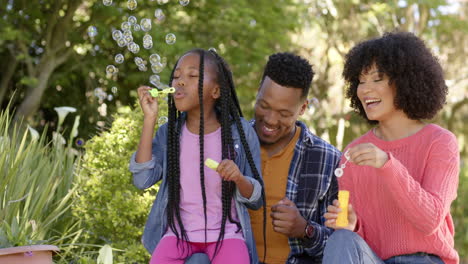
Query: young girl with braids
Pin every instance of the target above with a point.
(197, 209)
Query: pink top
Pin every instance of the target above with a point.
(404, 207)
(191, 205)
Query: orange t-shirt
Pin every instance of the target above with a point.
(275, 171)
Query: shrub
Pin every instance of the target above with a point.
(113, 211)
(37, 190)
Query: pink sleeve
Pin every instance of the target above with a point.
(426, 204)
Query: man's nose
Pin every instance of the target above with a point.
(271, 118)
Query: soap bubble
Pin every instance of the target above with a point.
(157, 67)
(133, 47)
(147, 44)
(119, 58)
(155, 80)
(132, 20)
(162, 120)
(145, 24)
(128, 39)
(127, 33)
(92, 31)
(126, 26)
(147, 37)
(132, 4)
(111, 69)
(170, 38)
(136, 27)
(142, 67)
(159, 14)
(138, 61)
(116, 34)
(114, 90)
(147, 41)
(107, 2)
(122, 42)
(184, 2)
(154, 58)
(110, 97)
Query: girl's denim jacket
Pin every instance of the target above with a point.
(148, 173)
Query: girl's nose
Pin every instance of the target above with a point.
(180, 82)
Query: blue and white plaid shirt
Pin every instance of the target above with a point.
(312, 186)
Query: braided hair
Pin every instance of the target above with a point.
(228, 111)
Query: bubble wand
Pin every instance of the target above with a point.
(343, 196)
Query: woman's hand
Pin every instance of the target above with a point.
(148, 104)
(367, 154)
(332, 214)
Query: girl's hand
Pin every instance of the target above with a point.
(229, 171)
(332, 214)
(368, 154)
(148, 104)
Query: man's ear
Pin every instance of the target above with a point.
(304, 106)
(216, 93)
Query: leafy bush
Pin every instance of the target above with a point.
(37, 190)
(113, 211)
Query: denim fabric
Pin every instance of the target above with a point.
(345, 246)
(149, 173)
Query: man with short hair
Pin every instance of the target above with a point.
(297, 166)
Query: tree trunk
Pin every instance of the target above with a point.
(6, 77)
(32, 100)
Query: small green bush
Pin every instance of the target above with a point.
(37, 189)
(112, 210)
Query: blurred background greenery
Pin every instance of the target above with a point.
(48, 58)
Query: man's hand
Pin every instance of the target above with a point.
(287, 220)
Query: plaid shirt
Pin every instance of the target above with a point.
(312, 186)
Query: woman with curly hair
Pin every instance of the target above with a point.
(402, 175)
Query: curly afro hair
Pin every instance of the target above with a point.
(410, 66)
(289, 70)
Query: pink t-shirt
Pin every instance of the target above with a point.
(191, 205)
(404, 207)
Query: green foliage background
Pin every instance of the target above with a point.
(47, 57)
(112, 210)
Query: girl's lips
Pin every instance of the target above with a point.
(178, 95)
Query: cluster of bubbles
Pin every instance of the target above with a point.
(125, 39)
(102, 95)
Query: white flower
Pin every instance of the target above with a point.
(34, 133)
(76, 124)
(63, 112)
(58, 138)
